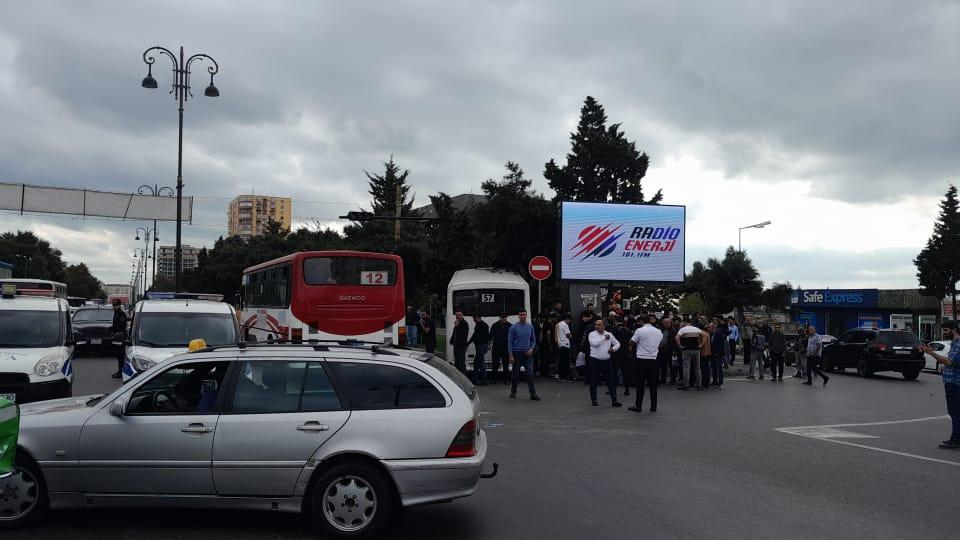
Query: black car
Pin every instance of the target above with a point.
(870, 351)
(92, 327)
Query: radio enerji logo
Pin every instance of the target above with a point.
(597, 241)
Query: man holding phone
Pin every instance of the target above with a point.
(951, 380)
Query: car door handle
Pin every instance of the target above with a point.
(196, 428)
(313, 426)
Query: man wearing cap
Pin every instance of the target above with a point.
(951, 380)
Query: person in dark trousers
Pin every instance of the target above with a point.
(951, 380)
(663, 355)
(564, 359)
(646, 343)
(602, 346)
(480, 338)
(459, 335)
(548, 345)
(814, 351)
(746, 335)
(778, 348)
(718, 344)
(500, 353)
(623, 364)
(522, 341)
(428, 331)
(119, 330)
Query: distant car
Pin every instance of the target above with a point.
(871, 351)
(940, 347)
(344, 434)
(92, 327)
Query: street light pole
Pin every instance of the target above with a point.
(740, 233)
(156, 191)
(181, 92)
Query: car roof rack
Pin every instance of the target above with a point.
(316, 344)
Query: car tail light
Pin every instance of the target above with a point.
(465, 443)
(882, 347)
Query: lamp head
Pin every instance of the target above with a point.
(211, 91)
(149, 82)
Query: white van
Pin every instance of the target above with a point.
(164, 328)
(486, 291)
(36, 346)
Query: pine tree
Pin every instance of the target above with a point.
(938, 264)
(602, 166)
(383, 189)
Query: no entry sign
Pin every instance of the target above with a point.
(540, 268)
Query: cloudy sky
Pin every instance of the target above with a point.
(837, 121)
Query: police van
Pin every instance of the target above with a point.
(36, 341)
(165, 324)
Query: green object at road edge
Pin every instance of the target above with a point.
(9, 428)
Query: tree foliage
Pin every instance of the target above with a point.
(80, 282)
(691, 303)
(938, 263)
(777, 296)
(32, 256)
(728, 284)
(602, 166)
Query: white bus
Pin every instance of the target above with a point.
(488, 292)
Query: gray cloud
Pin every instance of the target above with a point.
(855, 97)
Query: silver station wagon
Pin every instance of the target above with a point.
(345, 434)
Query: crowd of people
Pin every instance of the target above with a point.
(637, 353)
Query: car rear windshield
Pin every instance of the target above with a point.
(33, 329)
(349, 271)
(179, 329)
(899, 339)
(93, 315)
(451, 372)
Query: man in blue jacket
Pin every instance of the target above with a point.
(522, 340)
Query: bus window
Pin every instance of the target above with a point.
(488, 302)
(349, 271)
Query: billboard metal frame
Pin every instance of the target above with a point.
(560, 258)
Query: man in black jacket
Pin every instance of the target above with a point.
(458, 338)
(119, 330)
(480, 338)
(500, 352)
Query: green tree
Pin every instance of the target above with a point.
(164, 283)
(450, 240)
(938, 263)
(602, 166)
(80, 282)
(776, 297)
(691, 303)
(32, 256)
(728, 284)
(379, 235)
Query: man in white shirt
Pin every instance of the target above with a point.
(690, 339)
(602, 346)
(646, 343)
(563, 347)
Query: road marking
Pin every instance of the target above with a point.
(829, 433)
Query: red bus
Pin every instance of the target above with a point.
(326, 295)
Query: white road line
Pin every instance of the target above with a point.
(889, 422)
(828, 434)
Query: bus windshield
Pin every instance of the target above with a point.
(29, 329)
(488, 302)
(349, 271)
(178, 329)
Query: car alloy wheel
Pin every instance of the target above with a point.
(19, 495)
(349, 503)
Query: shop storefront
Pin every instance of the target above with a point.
(834, 311)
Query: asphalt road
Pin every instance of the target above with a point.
(717, 464)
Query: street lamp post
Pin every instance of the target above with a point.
(181, 92)
(156, 191)
(26, 259)
(146, 249)
(754, 226)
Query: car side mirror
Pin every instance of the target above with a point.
(117, 408)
